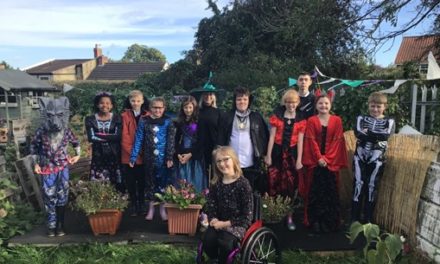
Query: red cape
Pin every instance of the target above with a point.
(335, 151)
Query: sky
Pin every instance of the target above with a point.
(33, 31)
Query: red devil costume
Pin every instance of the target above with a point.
(282, 173)
(328, 143)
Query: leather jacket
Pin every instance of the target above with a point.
(259, 132)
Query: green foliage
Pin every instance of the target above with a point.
(92, 196)
(142, 53)
(274, 209)
(10, 156)
(184, 195)
(265, 100)
(379, 248)
(15, 218)
(81, 97)
(355, 102)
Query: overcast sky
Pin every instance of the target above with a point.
(37, 30)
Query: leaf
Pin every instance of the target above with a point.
(355, 229)
(394, 245)
(371, 231)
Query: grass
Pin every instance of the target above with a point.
(135, 253)
(151, 253)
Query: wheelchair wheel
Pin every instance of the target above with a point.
(262, 247)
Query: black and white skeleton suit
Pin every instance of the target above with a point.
(368, 162)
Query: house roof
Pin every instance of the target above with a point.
(417, 48)
(54, 65)
(18, 80)
(125, 71)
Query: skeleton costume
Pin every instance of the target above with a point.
(368, 162)
(49, 150)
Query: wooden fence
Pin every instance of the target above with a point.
(427, 106)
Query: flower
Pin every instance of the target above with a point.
(92, 196)
(184, 195)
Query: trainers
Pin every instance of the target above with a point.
(290, 224)
(51, 232)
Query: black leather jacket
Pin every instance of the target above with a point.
(259, 132)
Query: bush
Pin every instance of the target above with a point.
(275, 207)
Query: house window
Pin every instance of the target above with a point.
(12, 99)
(33, 98)
(44, 78)
(423, 68)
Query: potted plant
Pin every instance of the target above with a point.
(102, 203)
(183, 205)
(275, 208)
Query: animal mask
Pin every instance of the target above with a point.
(54, 113)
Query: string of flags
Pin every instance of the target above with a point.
(433, 74)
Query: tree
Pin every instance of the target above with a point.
(373, 15)
(7, 66)
(142, 53)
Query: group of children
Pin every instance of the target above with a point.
(304, 150)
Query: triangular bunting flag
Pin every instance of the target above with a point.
(433, 68)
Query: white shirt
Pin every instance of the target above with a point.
(242, 144)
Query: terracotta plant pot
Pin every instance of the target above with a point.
(105, 221)
(183, 221)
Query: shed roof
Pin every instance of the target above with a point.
(18, 80)
(54, 65)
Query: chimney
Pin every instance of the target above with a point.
(97, 51)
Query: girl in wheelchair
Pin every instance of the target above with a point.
(229, 206)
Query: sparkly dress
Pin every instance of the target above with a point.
(105, 136)
(157, 138)
(231, 202)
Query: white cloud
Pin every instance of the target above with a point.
(69, 23)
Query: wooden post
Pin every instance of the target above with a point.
(434, 98)
(414, 104)
(423, 109)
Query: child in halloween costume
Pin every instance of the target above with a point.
(156, 136)
(284, 150)
(136, 107)
(229, 206)
(189, 146)
(49, 150)
(324, 155)
(372, 132)
(104, 132)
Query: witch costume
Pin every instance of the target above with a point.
(188, 140)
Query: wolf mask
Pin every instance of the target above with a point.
(54, 113)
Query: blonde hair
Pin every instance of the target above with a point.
(378, 98)
(290, 94)
(226, 151)
(135, 93)
(214, 101)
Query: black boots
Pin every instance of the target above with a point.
(60, 221)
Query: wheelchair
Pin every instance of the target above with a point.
(259, 244)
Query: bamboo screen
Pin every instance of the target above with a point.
(408, 160)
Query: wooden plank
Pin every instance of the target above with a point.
(30, 182)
